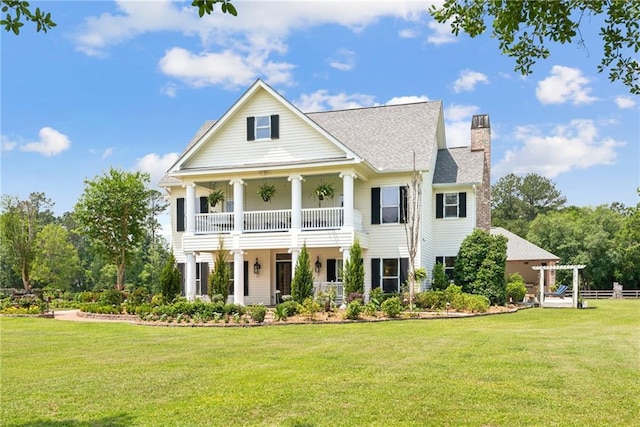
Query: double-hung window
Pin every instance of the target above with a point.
(390, 273)
(388, 205)
(263, 127)
(451, 205)
(449, 263)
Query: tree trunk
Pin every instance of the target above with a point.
(120, 277)
(26, 282)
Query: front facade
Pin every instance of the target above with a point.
(366, 155)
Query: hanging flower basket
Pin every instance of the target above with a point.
(324, 190)
(267, 191)
(215, 197)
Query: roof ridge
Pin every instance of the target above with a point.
(373, 106)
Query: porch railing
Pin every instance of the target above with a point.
(274, 220)
(326, 286)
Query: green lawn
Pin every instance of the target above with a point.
(535, 367)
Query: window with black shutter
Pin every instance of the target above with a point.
(263, 127)
(375, 273)
(451, 205)
(180, 214)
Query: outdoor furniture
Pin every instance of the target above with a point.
(558, 292)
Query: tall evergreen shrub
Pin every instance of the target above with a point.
(440, 280)
(170, 279)
(220, 278)
(353, 275)
(302, 283)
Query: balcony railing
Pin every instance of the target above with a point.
(275, 220)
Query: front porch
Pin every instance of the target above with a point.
(274, 220)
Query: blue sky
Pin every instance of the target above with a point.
(127, 84)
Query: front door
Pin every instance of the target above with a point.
(283, 276)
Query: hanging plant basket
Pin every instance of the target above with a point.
(267, 191)
(324, 191)
(215, 197)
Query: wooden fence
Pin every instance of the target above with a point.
(608, 293)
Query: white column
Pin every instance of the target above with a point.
(541, 286)
(575, 287)
(238, 205)
(296, 201)
(190, 207)
(345, 257)
(347, 195)
(190, 276)
(294, 259)
(238, 277)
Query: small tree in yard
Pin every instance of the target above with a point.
(170, 279)
(221, 278)
(302, 283)
(353, 275)
(440, 280)
(480, 266)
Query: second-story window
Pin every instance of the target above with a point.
(263, 127)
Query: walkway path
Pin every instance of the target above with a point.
(72, 315)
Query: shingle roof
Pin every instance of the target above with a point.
(386, 136)
(519, 249)
(456, 165)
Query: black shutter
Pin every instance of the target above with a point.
(204, 278)
(232, 286)
(403, 204)
(180, 214)
(404, 270)
(375, 273)
(439, 205)
(375, 205)
(204, 204)
(462, 205)
(181, 269)
(331, 270)
(246, 278)
(251, 128)
(275, 126)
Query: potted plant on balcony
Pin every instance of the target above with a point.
(267, 191)
(324, 190)
(215, 197)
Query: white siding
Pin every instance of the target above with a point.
(448, 233)
(428, 207)
(298, 140)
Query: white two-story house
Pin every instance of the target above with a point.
(366, 154)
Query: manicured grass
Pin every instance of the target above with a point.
(535, 367)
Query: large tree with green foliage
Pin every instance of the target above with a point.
(480, 265)
(56, 262)
(112, 212)
(20, 223)
(516, 201)
(353, 274)
(302, 282)
(526, 28)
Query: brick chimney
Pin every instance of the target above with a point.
(481, 141)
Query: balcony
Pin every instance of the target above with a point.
(274, 220)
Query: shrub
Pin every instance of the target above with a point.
(291, 308)
(257, 312)
(354, 308)
(170, 279)
(376, 296)
(476, 303)
(86, 296)
(302, 282)
(309, 308)
(353, 275)
(370, 309)
(392, 307)
(138, 296)
(440, 280)
(431, 300)
(158, 299)
(516, 290)
(355, 296)
(280, 313)
(220, 279)
(111, 297)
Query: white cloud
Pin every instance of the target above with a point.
(170, 90)
(458, 124)
(244, 43)
(7, 144)
(321, 100)
(565, 84)
(441, 33)
(575, 145)
(625, 102)
(107, 153)
(343, 60)
(407, 34)
(155, 165)
(468, 80)
(51, 143)
(406, 100)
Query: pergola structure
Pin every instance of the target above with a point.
(575, 269)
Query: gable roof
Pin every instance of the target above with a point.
(206, 131)
(387, 136)
(458, 165)
(519, 249)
